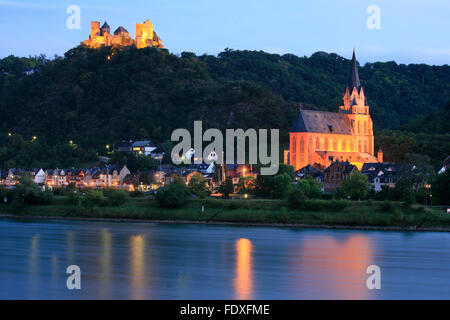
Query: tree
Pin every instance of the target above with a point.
(356, 186)
(198, 185)
(282, 186)
(174, 195)
(296, 196)
(246, 185)
(440, 188)
(226, 188)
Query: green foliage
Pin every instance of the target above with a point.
(198, 185)
(27, 193)
(92, 198)
(246, 185)
(356, 186)
(282, 186)
(136, 93)
(440, 188)
(226, 188)
(117, 197)
(296, 197)
(175, 195)
(136, 194)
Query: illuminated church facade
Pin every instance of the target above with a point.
(319, 138)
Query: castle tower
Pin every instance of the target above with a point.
(95, 29)
(105, 29)
(144, 34)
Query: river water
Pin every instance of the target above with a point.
(189, 261)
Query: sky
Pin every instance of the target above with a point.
(409, 31)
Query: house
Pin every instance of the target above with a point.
(75, 177)
(309, 171)
(384, 174)
(145, 147)
(55, 178)
(125, 146)
(38, 176)
(336, 173)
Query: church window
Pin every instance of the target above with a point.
(365, 126)
(365, 146)
(359, 146)
(326, 143)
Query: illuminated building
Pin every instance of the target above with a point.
(320, 138)
(145, 36)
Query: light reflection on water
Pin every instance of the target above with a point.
(169, 261)
(243, 278)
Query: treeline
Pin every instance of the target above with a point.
(99, 97)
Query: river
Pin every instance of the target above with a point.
(127, 260)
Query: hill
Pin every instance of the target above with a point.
(98, 97)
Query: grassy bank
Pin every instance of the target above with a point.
(312, 212)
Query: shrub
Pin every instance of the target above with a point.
(92, 198)
(174, 195)
(198, 185)
(136, 194)
(296, 197)
(75, 198)
(117, 197)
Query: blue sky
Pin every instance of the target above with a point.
(411, 31)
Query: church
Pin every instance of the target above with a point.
(320, 138)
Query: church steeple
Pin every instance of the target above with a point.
(354, 98)
(353, 79)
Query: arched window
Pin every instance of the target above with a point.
(326, 143)
(365, 126)
(352, 147)
(317, 143)
(294, 149)
(365, 146)
(302, 149)
(359, 146)
(335, 145)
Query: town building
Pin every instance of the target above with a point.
(335, 174)
(320, 138)
(384, 174)
(145, 36)
(309, 171)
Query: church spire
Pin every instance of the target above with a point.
(353, 79)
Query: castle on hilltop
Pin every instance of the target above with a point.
(320, 138)
(145, 36)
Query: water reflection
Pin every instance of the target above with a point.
(243, 282)
(105, 263)
(337, 265)
(138, 272)
(34, 264)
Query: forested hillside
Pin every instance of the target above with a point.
(99, 97)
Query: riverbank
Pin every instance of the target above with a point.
(367, 215)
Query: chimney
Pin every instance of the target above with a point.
(380, 155)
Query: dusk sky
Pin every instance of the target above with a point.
(413, 31)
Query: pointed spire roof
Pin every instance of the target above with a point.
(105, 25)
(353, 79)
